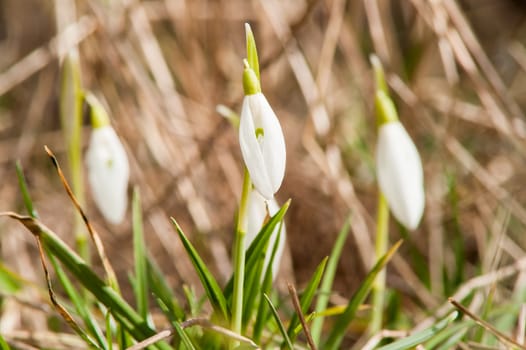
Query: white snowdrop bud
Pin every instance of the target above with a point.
(400, 174)
(108, 168)
(261, 140)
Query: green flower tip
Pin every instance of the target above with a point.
(98, 115)
(251, 85)
(379, 75)
(252, 52)
(385, 109)
(249, 34)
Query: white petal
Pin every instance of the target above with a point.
(257, 212)
(273, 147)
(265, 158)
(400, 174)
(108, 173)
(251, 151)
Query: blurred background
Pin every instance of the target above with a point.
(456, 70)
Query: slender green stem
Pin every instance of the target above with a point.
(71, 97)
(382, 221)
(239, 255)
(77, 179)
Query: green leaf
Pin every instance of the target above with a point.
(22, 183)
(79, 303)
(257, 248)
(266, 286)
(252, 53)
(122, 311)
(342, 323)
(215, 296)
(107, 319)
(139, 254)
(162, 291)
(3, 344)
(449, 337)
(252, 288)
(185, 339)
(307, 296)
(255, 277)
(328, 279)
(10, 283)
(281, 327)
(420, 337)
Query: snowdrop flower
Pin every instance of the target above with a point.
(261, 138)
(257, 213)
(398, 166)
(107, 163)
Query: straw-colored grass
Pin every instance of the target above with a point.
(456, 70)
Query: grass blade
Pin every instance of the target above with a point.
(281, 327)
(328, 278)
(266, 285)
(163, 292)
(420, 337)
(22, 183)
(214, 293)
(77, 300)
(185, 339)
(257, 247)
(307, 296)
(3, 344)
(104, 293)
(10, 282)
(254, 281)
(79, 303)
(139, 254)
(340, 327)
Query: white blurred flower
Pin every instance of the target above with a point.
(262, 144)
(400, 174)
(256, 213)
(108, 173)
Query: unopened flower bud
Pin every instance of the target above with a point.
(262, 144)
(108, 168)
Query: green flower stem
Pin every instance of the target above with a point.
(77, 180)
(239, 255)
(71, 97)
(382, 221)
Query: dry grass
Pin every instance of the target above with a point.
(456, 70)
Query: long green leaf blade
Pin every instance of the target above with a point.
(163, 292)
(420, 337)
(122, 311)
(257, 246)
(340, 327)
(328, 278)
(79, 304)
(185, 339)
(210, 284)
(141, 280)
(307, 296)
(281, 327)
(262, 315)
(22, 183)
(3, 344)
